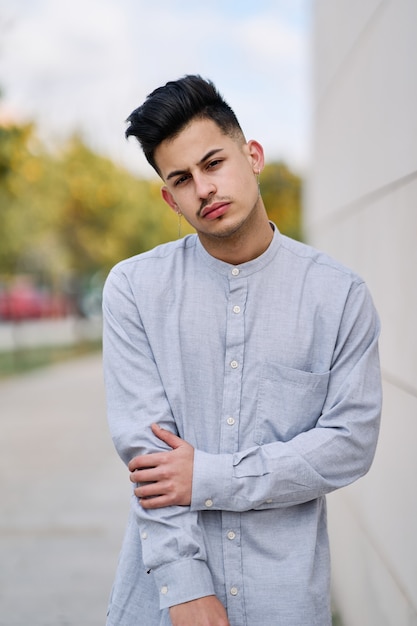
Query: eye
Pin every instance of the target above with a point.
(181, 180)
(214, 163)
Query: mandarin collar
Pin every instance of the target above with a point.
(245, 269)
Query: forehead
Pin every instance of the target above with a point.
(187, 149)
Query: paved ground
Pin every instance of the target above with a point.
(64, 498)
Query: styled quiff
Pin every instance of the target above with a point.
(170, 108)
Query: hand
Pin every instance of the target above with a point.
(207, 611)
(165, 478)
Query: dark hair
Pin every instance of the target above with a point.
(168, 109)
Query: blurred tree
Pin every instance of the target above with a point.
(105, 212)
(281, 191)
(23, 197)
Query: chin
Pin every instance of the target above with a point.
(227, 228)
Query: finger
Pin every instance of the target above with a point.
(150, 490)
(166, 436)
(144, 461)
(156, 502)
(144, 476)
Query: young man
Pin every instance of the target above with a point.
(243, 385)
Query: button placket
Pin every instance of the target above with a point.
(229, 441)
(234, 345)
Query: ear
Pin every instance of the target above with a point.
(169, 199)
(256, 156)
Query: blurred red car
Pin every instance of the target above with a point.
(24, 302)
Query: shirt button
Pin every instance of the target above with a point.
(208, 503)
(235, 271)
(230, 421)
(231, 535)
(164, 590)
(234, 364)
(144, 535)
(236, 309)
(234, 591)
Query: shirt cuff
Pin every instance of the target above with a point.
(183, 581)
(212, 479)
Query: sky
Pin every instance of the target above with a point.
(83, 66)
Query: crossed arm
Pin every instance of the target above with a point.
(165, 480)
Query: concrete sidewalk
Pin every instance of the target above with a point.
(64, 498)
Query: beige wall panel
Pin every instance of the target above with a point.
(366, 126)
(365, 591)
(361, 207)
(384, 502)
(341, 24)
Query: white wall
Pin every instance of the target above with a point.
(361, 206)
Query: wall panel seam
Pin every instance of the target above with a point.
(356, 206)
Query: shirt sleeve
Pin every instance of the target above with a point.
(172, 543)
(337, 451)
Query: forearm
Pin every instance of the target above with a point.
(278, 474)
(172, 544)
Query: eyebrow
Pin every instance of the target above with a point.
(207, 156)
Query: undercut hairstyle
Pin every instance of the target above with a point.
(170, 108)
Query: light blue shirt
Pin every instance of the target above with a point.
(270, 370)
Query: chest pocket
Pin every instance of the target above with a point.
(290, 401)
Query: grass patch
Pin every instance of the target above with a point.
(24, 360)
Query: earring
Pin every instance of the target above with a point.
(257, 173)
(179, 223)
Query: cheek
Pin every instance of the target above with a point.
(246, 182)
(186, 202)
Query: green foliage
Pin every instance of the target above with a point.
(22, 218)
(281, 192)
(73, 214)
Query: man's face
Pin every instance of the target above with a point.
(210, 178)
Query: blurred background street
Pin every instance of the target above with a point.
(65, 497)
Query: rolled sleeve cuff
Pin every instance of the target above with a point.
(183, 581)
(212, 477)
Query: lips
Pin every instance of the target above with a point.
(215, 210)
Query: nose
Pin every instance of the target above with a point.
(204, 185)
